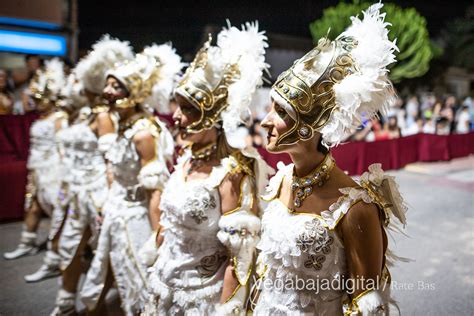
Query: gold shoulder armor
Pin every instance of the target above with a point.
(241, 163)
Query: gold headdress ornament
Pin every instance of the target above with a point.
(312, 97)
(211, 101)
(221, 80)
(338, 83)
(137, 85)
(149, 78)
(47, 83)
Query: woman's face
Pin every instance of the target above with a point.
(277, 122)
(114, 90)
(184, 115)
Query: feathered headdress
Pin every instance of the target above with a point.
(49, 80)
(169, 74)
(339, 83)
(222, 79)
(105, 54)
(150, 78)
(71, 93)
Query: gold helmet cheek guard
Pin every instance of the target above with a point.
(202, 99)
(313, 99)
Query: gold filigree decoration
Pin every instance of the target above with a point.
(314, 101)
(210, 101)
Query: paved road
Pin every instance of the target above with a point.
(439, 280)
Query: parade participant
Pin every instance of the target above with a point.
(209, 225)
(70, 102)
(43, 160)
(320, 226)
(138, 161)
(85, 182)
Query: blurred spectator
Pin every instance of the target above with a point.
(412, 110)
(21, 80)
(463, 121)
(392, 127)
(429, 127)
(443, 126)
(6, 95)
(414, 128)
(257, 134)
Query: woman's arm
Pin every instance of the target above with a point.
(104, 128)
(104, 124)
(230, 192)
(154, 210)
(145, 145)
(364, 243)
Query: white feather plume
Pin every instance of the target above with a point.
(106, 53)
(362, 94)
(246, 48)
(51, 79)
(169, 73)
(72, 92)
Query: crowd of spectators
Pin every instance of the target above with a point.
(426, 113)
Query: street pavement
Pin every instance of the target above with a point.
(438, 280)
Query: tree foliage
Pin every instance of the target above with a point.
(459, 38)
(407, 26)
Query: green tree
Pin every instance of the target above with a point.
(459, 38)
(408, 27)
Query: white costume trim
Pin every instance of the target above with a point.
(239, 232)
(106, 141)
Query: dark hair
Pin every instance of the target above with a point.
(28, 56)
(8, 84)
(321, 148)
(68, 62)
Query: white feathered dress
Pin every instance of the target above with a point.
(302, 259)
(86, 188)
(43, 163)
(126, 225)
(188, 276)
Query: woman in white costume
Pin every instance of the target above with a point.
(70, 102)
(138, 160)
(323, 249)
(209, 225)
(85, 182)
(43, 166)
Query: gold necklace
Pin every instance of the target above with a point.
(199, 156)
(303, 187)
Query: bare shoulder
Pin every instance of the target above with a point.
(104, 118)
(363, 212)
(142, 136)
(361, 218)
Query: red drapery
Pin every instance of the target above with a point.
(356, 157)
(352, 157)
